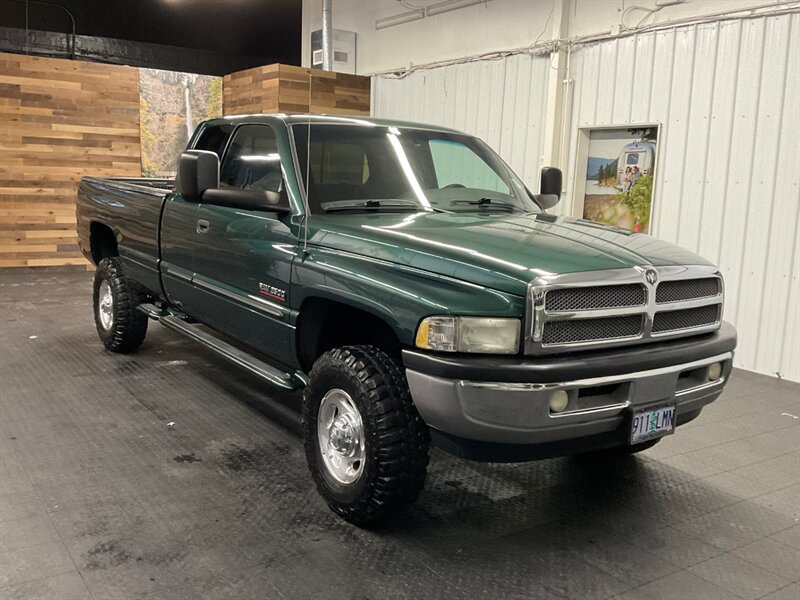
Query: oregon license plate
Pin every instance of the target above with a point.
(652, 423)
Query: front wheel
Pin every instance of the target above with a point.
(120, 326)
(366, 445)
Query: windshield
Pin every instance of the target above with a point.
(360, 168)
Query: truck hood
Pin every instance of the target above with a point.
(502, 252)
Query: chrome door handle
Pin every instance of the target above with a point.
(202, 226)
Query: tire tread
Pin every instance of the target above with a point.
(399, 438)
(130, 326)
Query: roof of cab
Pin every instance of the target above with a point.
(320, 119)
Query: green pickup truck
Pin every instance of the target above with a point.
(406, 280)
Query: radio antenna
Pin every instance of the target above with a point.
(308, 167)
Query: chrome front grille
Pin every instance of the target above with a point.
(688, 318)
(583, 330)
(622, 306)
(687, 289)
(604, 296)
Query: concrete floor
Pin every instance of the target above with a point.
(100, 498)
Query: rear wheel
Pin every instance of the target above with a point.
(366, 445)
(120, 326)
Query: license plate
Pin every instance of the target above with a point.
(652, 423)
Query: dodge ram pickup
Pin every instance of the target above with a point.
(406, 280)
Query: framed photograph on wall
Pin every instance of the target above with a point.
(615, 174)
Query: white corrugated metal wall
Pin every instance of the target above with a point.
(500, 101)
(727, 96)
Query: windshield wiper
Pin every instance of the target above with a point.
(369, 205)
(487, 202)
(341, 205)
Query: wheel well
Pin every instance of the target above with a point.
(327, 324)
(102, 242)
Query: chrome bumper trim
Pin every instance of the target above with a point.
(608, 380)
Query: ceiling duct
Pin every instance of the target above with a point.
(327, 35)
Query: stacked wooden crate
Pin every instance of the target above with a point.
(288, 89)
(59, 120)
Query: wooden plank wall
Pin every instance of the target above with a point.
(59, 120)
(283, 88)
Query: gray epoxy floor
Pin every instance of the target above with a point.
(100, 498)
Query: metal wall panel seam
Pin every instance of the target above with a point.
(717, 35)
(664, 134)
(752, 167)
(790, 354)
(779, 142)
(684, 169)
(727, 178)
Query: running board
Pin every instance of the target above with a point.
(259, 368)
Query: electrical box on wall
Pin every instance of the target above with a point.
(344, 50)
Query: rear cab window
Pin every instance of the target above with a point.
(213, 139)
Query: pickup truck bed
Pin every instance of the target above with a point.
(131, 208)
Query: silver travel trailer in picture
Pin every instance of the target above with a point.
(637, 154)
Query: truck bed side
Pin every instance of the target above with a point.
(121, 216)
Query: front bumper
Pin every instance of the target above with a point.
(495, 408)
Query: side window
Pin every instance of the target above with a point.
(457, 165)
(252, 161)
(214, 139)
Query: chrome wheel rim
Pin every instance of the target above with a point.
(105, 305)
(340, 432)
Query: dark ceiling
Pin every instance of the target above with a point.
(262, 28)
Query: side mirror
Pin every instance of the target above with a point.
(551, 181)
(248, 199)
(550, 188)
(198, 171)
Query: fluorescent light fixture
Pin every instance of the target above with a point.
(428, 11)
(448, 5)
(406, 17)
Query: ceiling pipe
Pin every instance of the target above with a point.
(327, 36)
(422, 12)
(70, 39)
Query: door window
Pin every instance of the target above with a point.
(252, 161)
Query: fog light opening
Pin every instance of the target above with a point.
(559, 401)
(715, 372)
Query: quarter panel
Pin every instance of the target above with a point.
(133, 213)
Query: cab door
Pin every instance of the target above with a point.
(179, 231)
(243, 258)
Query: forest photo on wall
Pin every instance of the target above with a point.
(171, 106)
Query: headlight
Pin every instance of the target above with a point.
(469, 334)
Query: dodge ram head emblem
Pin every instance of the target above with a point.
(651, 275)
